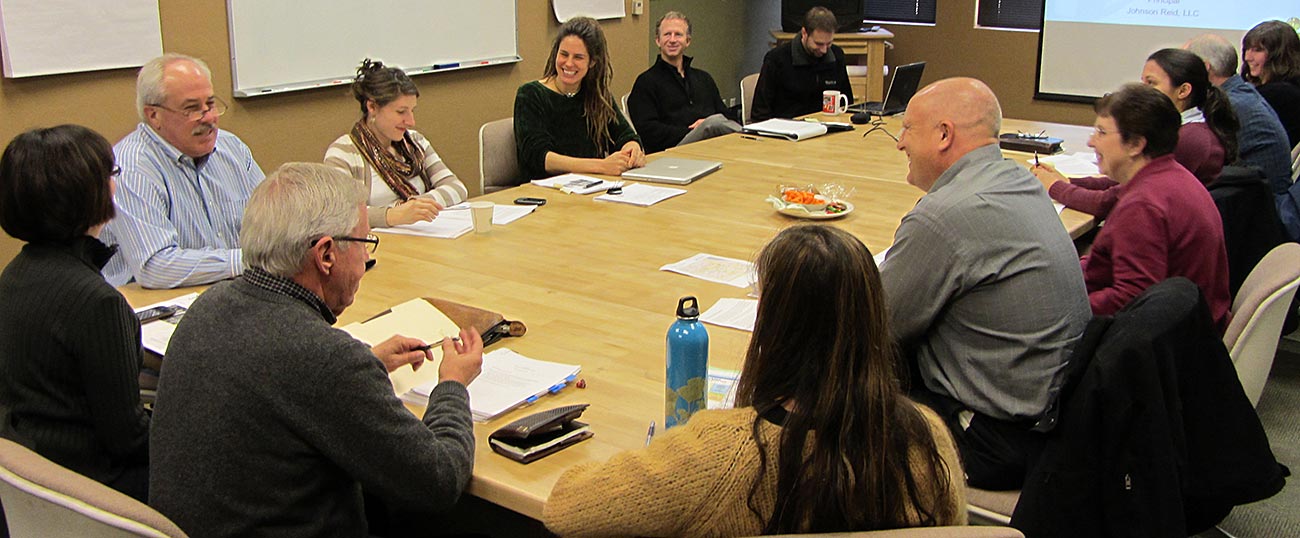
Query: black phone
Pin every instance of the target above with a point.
(156, 313)
(529, 200)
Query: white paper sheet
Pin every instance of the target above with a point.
(596, 9)
(729, 271)
(1079, 164)
(641, 194)
(156, 334)
(456, 221)
(44, 37)
(734, 313)
(507, 381)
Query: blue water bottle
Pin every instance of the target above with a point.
(688, 365)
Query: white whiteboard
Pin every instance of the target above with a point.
(282, 45)
(46, 37)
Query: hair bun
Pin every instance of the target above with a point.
(369, 66)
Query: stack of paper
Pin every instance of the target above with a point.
(641, 194)
(729, 271)
(1074, 164)
(577, 184)
(455, 221)
(787, 129)
(156, 334)
(509, 380)
(735, 313)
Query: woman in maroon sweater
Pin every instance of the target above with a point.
(1206, 141)
(1163, 224)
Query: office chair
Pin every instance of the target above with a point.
(498, 162)
(747, 86)
(1257, 316)
(43, 499)
(622, 107)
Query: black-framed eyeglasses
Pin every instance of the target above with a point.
(372, 239)
(196, 112)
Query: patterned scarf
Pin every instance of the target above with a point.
(394, 171)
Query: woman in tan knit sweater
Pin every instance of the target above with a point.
(824, 439)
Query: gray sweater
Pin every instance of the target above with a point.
(270, 422)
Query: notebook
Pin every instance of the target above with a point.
(672, 170)
(907, 78)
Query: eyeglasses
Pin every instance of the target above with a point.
(1099, 132)
(372, 239)
(117, 171)
(196, 112)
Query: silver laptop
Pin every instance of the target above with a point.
(672, 170)
(907, 79)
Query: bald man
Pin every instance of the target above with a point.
(984, 285)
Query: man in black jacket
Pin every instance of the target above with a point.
(795, 74)
(672, 103)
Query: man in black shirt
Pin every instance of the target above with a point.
(672, 103)
(795, 74)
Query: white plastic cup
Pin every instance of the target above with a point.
(481, 212)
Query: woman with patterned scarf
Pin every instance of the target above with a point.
(413, 184)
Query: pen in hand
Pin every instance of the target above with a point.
(427, 347)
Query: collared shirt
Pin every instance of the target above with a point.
(178, 219)
(984, 287)
(1262, 143)
(286, 286)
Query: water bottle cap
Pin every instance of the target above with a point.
(688, 312)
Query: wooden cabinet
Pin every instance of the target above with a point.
(866, 48)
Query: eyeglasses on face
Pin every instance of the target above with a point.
(370, 239)
(196, 112)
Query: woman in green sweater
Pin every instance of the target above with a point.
(567, 121)
(823, 440)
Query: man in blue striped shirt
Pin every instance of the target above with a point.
(184, 183)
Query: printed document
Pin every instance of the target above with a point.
(641, 194)
(734, 313)
(729, 271)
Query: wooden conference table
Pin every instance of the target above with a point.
(584, 276)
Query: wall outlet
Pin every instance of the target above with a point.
(638, 7)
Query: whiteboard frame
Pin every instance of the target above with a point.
(347, 78)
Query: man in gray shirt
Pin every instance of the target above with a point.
(269, 421)
(984, 285)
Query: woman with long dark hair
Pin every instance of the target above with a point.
(823, 439)
(567, 120)
(1270, 59)
(1207, 139)
(71, 355)
(406, 179)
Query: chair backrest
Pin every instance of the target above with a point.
(747, 86)
(987, 507)
(920, 532)
(43, 499)
(1257, 315)
(498, 163)
(622, 107)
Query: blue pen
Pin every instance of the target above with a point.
(650, 434)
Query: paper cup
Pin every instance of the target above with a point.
(481, 212)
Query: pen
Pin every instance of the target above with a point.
(747, 137)
(1035, 159)
(427, 347)
(650, 433)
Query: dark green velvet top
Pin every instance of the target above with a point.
(547, 121)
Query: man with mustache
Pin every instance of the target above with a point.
(183, 183)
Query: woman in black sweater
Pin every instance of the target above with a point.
(69, 342)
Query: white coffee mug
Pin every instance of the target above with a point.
(481, 214)
(834, 102)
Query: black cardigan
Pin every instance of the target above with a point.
(664, 104)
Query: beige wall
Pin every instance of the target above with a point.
(1007, 61)
(297, 126)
